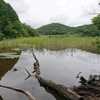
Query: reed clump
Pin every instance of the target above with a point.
(53, 43)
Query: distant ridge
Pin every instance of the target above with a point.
(60, 29)
(54, 29)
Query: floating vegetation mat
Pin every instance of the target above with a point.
(9, 55)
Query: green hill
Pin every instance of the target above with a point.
(88, 30)
(59, 29)
(54, 29)
(10, 26)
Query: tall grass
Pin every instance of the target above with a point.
(53, 43)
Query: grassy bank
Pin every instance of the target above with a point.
(54, 43)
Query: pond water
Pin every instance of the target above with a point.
(61, 67)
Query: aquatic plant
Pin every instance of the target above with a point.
(52, 43)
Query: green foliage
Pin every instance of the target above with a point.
(10, 26)
(97, 42)
(32, 32)
(54, 43)
(88, 30)
(1, 36)
(96, 21)
(54, 29)
(59, 29)
(6, 14)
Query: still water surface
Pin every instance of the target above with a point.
(61, 67)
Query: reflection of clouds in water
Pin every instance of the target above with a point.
(66, 63)
(89, 58)
(61, 67)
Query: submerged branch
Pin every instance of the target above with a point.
(29, 75)
(27, 93)
(34, 56)
(36, 65)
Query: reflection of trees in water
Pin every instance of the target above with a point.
(63, 53)
(6, 64)
(53, 92)
(1, 97)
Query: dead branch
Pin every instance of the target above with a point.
(78, 75)
(36, 68)
(64, 91)
(90, 88)
(34, 56)
(85, 91)
(29, 75)
(1, 98)
(88, 92)
(27, 93)
(36, 65)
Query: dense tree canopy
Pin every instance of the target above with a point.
(88, 30)
(96, 21)
(10, 26)
(54, 29)
(32, 32)
(59, 29)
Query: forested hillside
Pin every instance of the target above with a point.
(55, 29)
(10, 26)
(88, 30)
(59, 29)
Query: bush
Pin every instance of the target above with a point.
(1, 36)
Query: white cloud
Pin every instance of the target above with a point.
(19, 5)
(60, 18)
(40, 12)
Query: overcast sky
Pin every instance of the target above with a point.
(40, 12)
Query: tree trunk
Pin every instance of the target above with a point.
(64, 91)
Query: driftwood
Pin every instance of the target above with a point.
(91, 89)
(27, 93)
(88, 90)
(29, 75)
(36, 65)
(64, 91)
(1, 97)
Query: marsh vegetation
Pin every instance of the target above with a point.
(55, 42)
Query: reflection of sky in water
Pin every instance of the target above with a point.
(61, 67)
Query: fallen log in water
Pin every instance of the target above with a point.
(27, 93)
(88, 90)
(64, 91)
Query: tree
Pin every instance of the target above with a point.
(10, 26)
(1, 36)
(32, 32)
(9, 32)
(96, 21)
